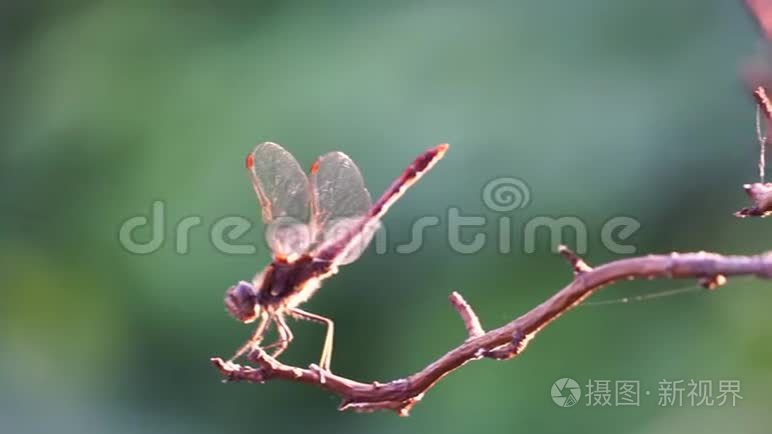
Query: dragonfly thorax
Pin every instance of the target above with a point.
(289, 283)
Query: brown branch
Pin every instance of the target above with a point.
(504, 342)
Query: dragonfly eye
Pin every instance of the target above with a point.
(240, 301)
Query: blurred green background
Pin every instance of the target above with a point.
(605, 108)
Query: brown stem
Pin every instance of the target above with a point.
(507, 341)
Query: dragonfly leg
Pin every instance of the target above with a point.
(285, 336)
(326, 358)
(253, 341)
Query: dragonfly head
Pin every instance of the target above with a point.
(241, 302)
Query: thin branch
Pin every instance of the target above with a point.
(504, 342)
(471, 321)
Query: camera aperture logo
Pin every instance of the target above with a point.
(566, 392)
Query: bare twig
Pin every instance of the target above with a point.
(504, 342)
(471, 321)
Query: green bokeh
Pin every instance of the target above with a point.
(604, 108)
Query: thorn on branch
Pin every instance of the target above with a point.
(576, 262)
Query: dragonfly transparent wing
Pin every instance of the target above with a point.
(284, 193)
(339, 204)
(359, 242)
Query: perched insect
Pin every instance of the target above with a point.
(314, 225)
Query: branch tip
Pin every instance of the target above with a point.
(577, 263)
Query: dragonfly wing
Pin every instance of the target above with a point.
(332, 251)
(284, 193)
(339, 201)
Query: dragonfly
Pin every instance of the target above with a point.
(314, 225)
